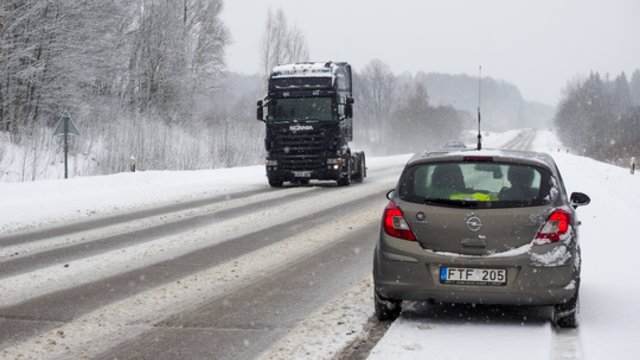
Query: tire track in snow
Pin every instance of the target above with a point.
(522, 141)
(566, 345)
(110, 220)
(35, 283)
(120, 321)
(124, 272)
(61, 249)
(69, 244)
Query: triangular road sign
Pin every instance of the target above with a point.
(70, 126)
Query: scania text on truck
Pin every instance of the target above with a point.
(308, 113)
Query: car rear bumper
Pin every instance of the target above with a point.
(405, 271)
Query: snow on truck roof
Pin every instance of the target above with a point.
(328, 69)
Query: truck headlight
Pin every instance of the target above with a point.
(272, 162)
(335, 163)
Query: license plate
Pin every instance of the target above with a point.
(302, 173)
(472, 276)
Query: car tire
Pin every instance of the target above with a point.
(566, 316)
(386, 309)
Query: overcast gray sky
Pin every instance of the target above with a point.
(536, 44)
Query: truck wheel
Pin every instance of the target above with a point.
(345, 180)
(275, 183)
(362, 169)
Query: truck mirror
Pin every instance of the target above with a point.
(348, 110)
(350, 101)
(260, 112)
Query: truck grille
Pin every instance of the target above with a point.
(301, 150)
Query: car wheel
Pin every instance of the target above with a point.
(566, 315)
(386, 309)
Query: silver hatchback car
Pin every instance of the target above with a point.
(480, 227)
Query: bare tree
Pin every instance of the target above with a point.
(377, 86)
(298, 48)
(118, 66)
(206, 38)
(280, 44)
(53, 55)
(274, 41)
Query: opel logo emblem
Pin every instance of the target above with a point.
(474, 223)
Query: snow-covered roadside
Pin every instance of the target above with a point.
(325, 332)
(32, 204)
(609, 288)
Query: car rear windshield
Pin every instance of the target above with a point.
(477, 185)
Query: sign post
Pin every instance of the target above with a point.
(65, 127)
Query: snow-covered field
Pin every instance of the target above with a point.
(609, 289)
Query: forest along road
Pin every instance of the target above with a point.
(222, 277)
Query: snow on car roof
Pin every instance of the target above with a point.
(318, 69)
(499, 154)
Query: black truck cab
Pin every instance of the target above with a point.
(308, 113)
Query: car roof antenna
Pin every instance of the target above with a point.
(479, 99)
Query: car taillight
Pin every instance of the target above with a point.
(394, 223)
(557, 225)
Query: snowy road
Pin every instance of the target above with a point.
(215, 264)
(227, 274)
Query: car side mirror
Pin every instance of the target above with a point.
(391, 194)
(260, 112)
(579, 199)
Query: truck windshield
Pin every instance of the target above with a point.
(302, 109)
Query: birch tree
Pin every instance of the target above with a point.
(53, 54)
(178, 50)
(298, 49)
(280, 44)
